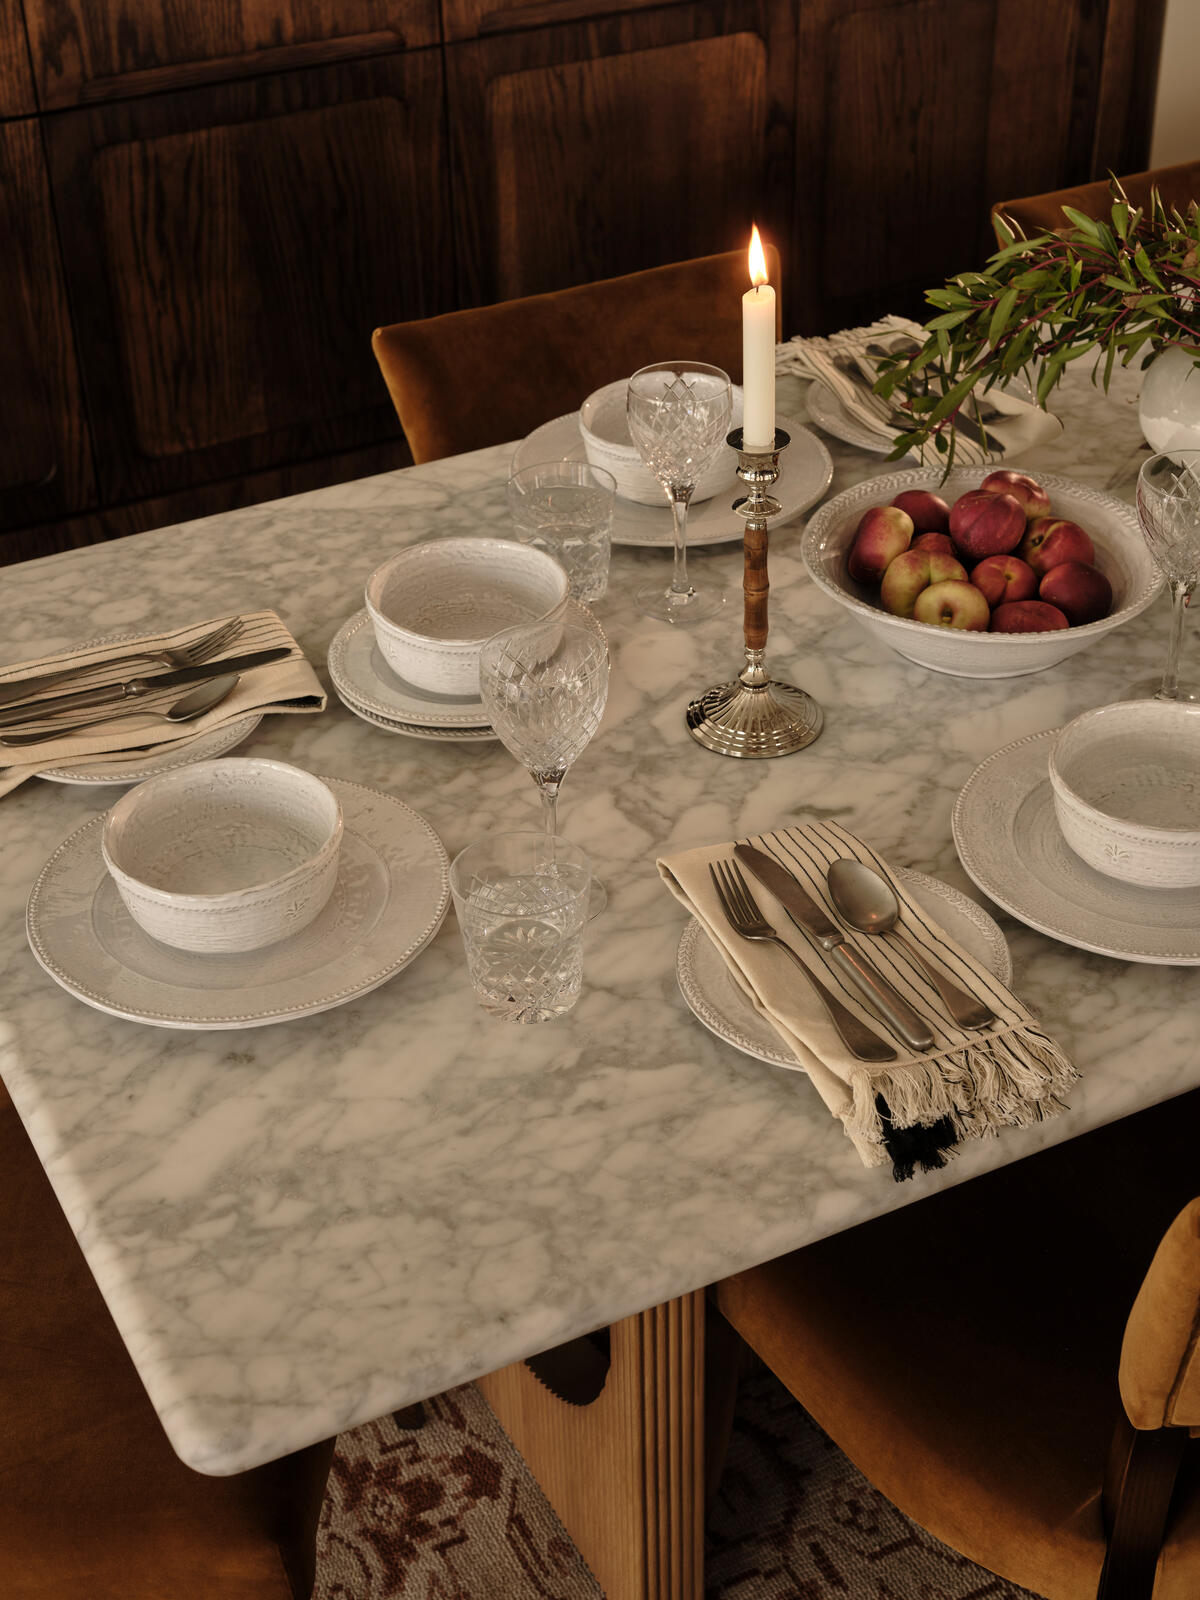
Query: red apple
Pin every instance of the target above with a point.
(1026, 491)
(954, 604)
(929, 512)
(1003, 578)
(1082, 593)
(882, 533)
(1027, 616)
(912, 571)
(1049, 541)
(984, 524)
(935, 541)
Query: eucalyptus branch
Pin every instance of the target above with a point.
(1128, 284)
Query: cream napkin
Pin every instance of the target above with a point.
(842, 364)
(289, 685)
(911, 1110)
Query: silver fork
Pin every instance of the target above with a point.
(744, 917)
(187, 655)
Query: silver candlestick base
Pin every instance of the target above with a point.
(755, 715)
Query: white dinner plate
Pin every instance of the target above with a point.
(390, 898)
(806, 471)
(1008, 839)
(131, 766)
(362, 677)
(412, 731)
(716, 1000)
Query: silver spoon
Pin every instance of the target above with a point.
(193, 704)
(868, 903)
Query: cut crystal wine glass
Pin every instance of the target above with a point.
(544, 686)
(1168, 505)
(679, 414)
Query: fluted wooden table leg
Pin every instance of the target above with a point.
(624, 1470)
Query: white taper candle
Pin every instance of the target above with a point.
(758, 354)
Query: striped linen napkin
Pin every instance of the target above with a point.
(910, 1111)
(289, 685)
(1017, 427)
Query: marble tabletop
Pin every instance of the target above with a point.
(303, 1226)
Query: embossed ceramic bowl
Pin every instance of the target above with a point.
(224, 855)
(433, 606)
(1121, 554)
(604, 427)
(1126, 785)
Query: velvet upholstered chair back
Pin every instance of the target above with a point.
(1160, 1355)
(479, 377)
(1039, 213)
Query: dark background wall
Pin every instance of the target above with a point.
(205, 210)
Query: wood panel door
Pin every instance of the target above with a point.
(16, 80)
(45, 451)
(590, 150)
(229, 253)
(89, 50)
(912, 117)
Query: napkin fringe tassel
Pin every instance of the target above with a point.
(1005, 1080)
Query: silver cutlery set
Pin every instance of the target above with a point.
(866, 902)
(28, 709)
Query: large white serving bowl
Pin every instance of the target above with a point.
(1126, 793)
(224, 856)
(434, 604)
(1121, 554)
(604, 428)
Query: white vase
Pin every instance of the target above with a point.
(1169, 408)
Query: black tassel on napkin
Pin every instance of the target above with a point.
(918, 1146)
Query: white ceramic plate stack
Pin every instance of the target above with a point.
(366, 685)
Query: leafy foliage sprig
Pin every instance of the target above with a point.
(1113, 287)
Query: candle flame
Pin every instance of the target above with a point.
(758, 260)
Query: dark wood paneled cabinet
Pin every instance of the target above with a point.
(593, 149)
(45, 457)
(237, 245)
(235, 194)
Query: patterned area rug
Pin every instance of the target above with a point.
(449, 1512)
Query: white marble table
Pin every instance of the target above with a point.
(301, 1227)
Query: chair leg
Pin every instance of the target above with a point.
(725, 1356)
(1141, 1478)
(624, 1470)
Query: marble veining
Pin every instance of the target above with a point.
(304, 1226)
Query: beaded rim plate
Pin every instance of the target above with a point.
(361, 675)
(715, 999)
(1008, 840)
(391, 897)
(138, 764)
(805, 474)
(412, 731)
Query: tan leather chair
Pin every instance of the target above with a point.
(1040, 213)
(483, 376)
(971, 1354)
(94, 1504)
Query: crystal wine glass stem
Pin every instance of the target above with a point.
(548, 787)
(1180, 594)
(681, 498)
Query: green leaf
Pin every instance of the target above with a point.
(1084, 224)
(953, 398)
(949, 319)
(1002, 315)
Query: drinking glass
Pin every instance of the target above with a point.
(566, 509)
(544, 686)
(521, 900)
(1168, 504)
(679, 413)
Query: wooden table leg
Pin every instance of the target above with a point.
(625, 1470)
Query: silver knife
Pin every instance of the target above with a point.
(806, 913)
(104, 694)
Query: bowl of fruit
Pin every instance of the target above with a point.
(981, 576)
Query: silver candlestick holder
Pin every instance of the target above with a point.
(755, 715)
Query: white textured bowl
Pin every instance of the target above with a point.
(434, 604)
(1121, 554)
(224, 855)
(604, 428)
(1126, 784)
